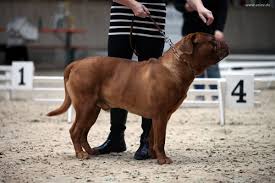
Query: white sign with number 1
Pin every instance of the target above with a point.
(240, 91)
(22, 75)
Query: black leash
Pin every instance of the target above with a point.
(131, 37)
(166, 39)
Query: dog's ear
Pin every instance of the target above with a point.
(188, 44)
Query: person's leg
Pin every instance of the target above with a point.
(147, 48)
(213, 72)
(16, 53)
(200, 87)
(118, 46)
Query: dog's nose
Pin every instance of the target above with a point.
(224, 48)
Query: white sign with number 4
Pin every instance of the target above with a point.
(239, 91)
(22, 75)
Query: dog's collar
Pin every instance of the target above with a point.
(189, 66)
(177, 55)
(175, 52)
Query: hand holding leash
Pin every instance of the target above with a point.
(140, 10)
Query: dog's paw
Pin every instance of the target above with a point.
(165, 160)
(153, 154)
(92, 152)
(82, 155)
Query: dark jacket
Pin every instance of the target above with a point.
(192, 21)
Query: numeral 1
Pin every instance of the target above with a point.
(22, 76)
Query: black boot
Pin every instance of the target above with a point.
(143, 151)
(115, 141)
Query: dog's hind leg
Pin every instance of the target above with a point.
(83, 115)
(84, 142)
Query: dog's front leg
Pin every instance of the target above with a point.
(151, 144)
(159, 132)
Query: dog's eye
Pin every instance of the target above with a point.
(195, 44)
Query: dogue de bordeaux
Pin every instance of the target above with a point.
(153, 89)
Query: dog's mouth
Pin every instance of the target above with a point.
(223, 50)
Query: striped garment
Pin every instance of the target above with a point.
(121, 19)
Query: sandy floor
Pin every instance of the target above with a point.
(35, 148)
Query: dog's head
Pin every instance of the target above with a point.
(202, 50)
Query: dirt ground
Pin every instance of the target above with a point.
(36, 148)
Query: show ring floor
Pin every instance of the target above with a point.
(36, 148)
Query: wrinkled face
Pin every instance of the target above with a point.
(204, 50)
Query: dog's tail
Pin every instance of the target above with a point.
(67, 101)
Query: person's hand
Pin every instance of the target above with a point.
(139, 10)
(206, 15)
(219, 36)
(188, 7)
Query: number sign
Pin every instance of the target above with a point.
(240, 91)
(22, 75)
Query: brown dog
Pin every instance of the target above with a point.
(153, 89)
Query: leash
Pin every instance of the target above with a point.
(166, 39)
(131, 36)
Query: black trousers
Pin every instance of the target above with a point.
(16, 53)
(146, 47)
